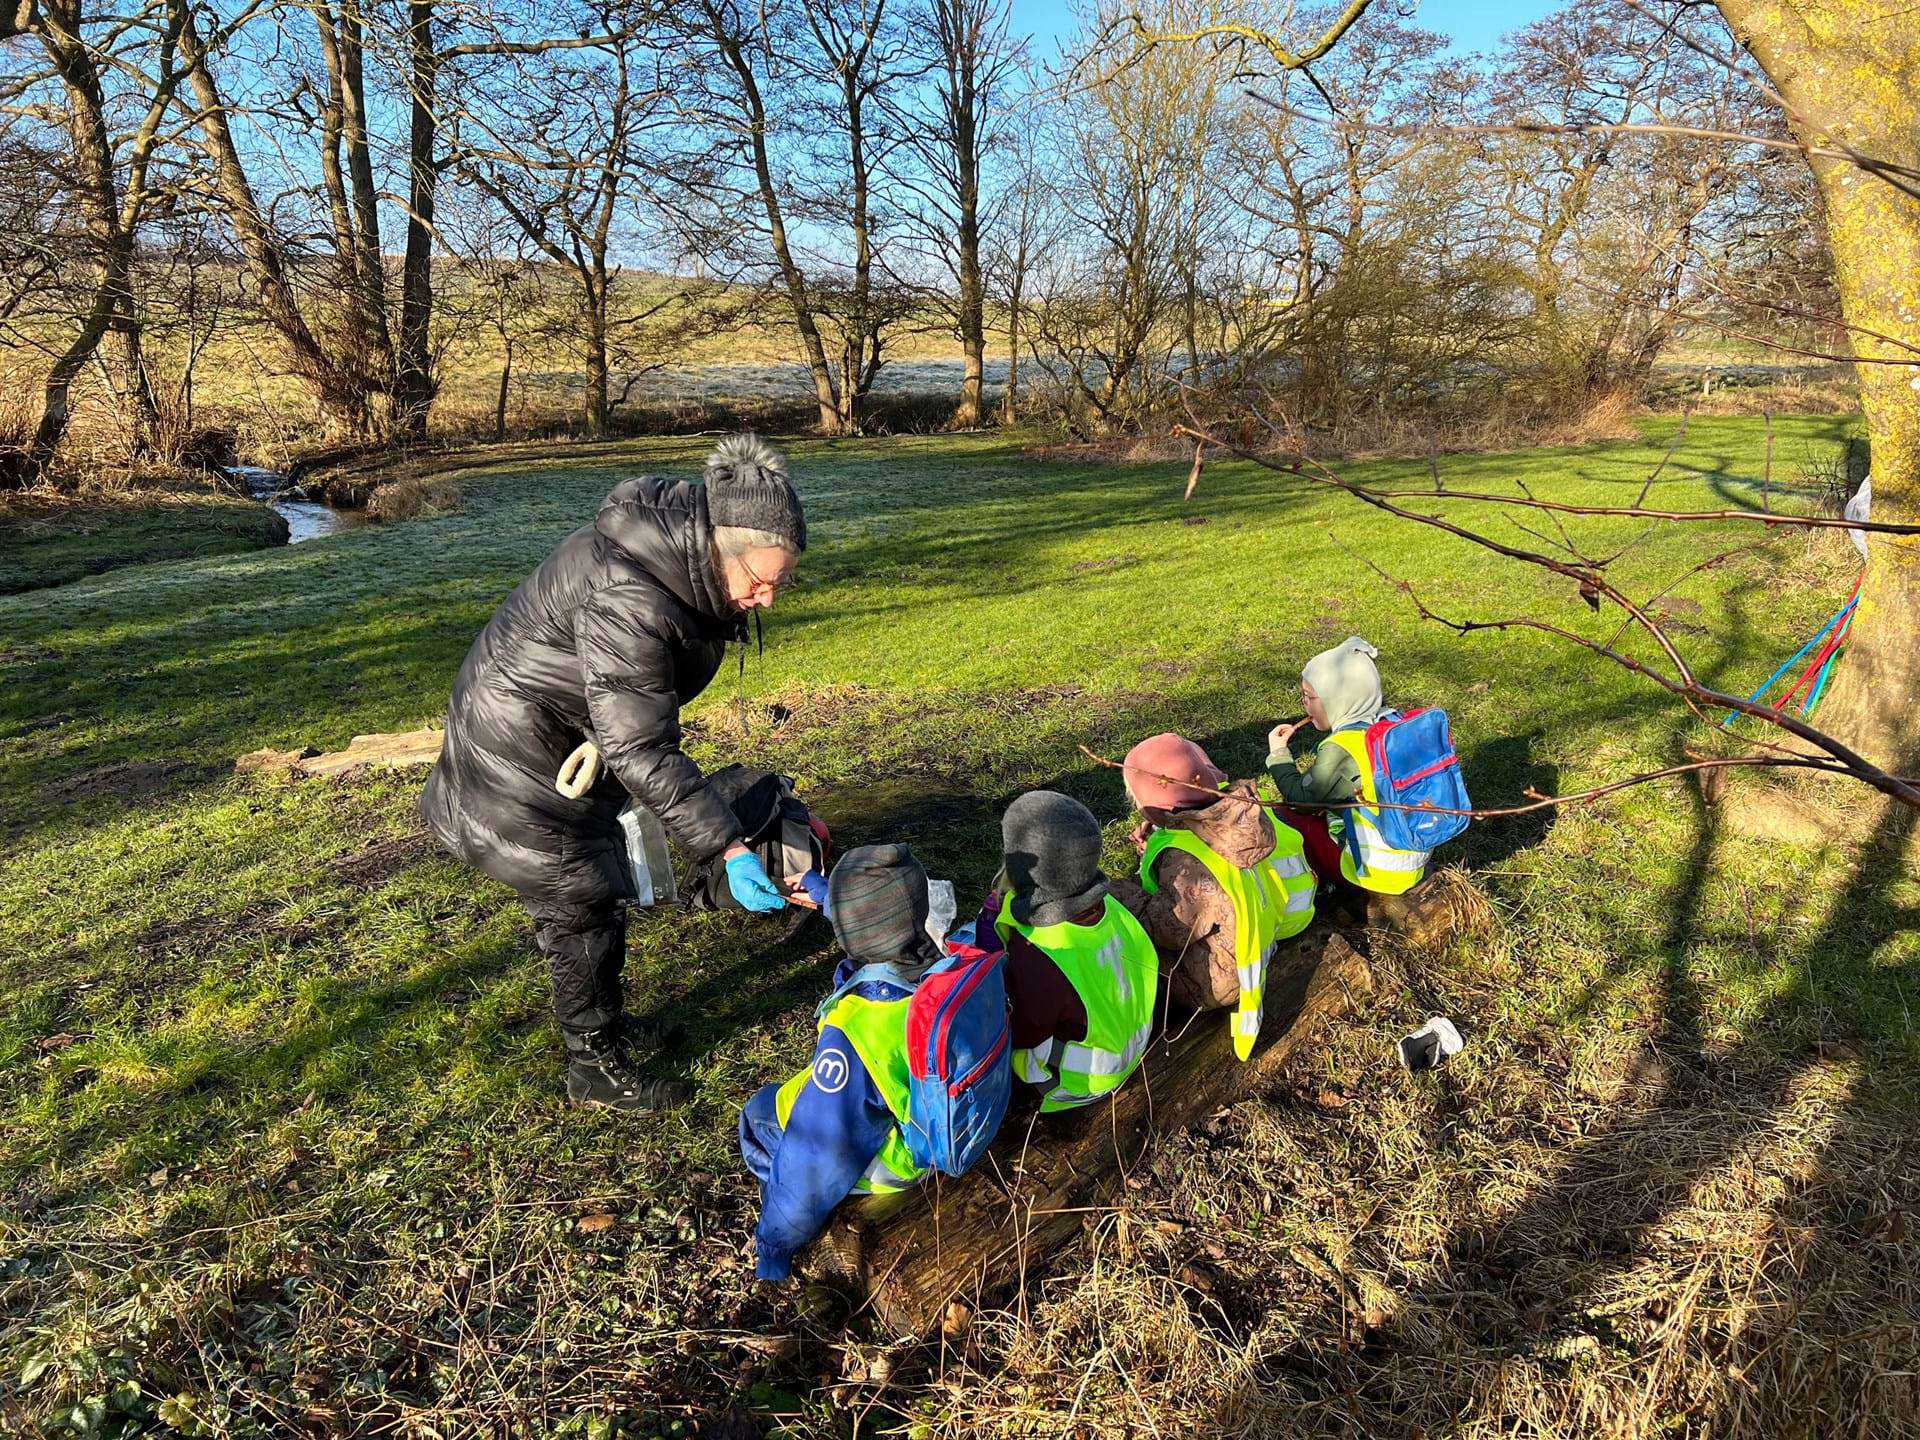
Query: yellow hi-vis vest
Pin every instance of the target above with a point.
(1389, 872)
(1115, 970)
(878, 1032)
(1272, 901)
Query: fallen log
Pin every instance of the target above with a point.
(397, 750)
(912, 1254)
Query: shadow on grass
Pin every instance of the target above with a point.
(1537, 1285)
(357, 1038)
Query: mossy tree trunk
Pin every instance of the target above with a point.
(1850, 71)
(339, 382)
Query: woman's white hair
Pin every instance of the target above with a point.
(733, 541)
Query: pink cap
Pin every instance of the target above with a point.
(1190, 775)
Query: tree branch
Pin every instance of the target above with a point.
(1241, 35)
(1593, 584)
(1537, 802)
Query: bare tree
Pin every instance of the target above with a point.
(860, 52)
(430, 55)
(1026, 230)
(344, 365)
(112, 177)
(746, 59)
(346, 168)
(796, 97)
(1364, 225)
(973, 63)
(578, 172)
(1134, 151)
(413, 380)
(498, 288)
(1613, 225)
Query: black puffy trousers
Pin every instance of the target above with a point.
(585, 948)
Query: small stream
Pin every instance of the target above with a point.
(306, 519)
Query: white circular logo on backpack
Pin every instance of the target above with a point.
(830, 1071)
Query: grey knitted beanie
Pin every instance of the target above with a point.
(747, 487)
(1051, 846)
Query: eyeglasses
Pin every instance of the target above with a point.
(772, 587)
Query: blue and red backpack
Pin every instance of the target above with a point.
(1414, 763)
(959, 1058)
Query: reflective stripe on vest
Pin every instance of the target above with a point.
(877, 1030)
(1035, 1066)
(1387, 871)
(1115, 970)
(1272, 901)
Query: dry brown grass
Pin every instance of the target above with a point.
(1398, 435)
(1387, 434)
(1823, 391)
(1624, 1236)
(412, 495)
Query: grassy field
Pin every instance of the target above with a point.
(282, 1148)
(49, 540)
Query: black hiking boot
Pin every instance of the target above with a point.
(600, 1073)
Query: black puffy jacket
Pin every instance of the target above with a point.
(620, 626)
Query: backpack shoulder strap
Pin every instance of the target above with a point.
(1350, 826)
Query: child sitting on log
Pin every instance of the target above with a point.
(834, 1129)
(1082, 975)
(1221, 881)
(1341, 690)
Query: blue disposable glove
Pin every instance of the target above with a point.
(747, 878)
(816, 887)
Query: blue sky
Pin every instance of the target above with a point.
(1472, 24)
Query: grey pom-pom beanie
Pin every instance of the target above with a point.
(747, 487)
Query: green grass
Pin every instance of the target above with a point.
(53, 542)
(278, 1093)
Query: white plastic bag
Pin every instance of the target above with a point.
(649, 866)
(941, 910)
(1860, 507)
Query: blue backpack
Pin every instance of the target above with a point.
(1414, 763)
(959, 1058)
(959, 1052)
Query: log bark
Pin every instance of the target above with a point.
(397, 751)
(973, 1238)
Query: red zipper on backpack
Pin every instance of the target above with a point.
(992, 1055)
(1435, 768)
